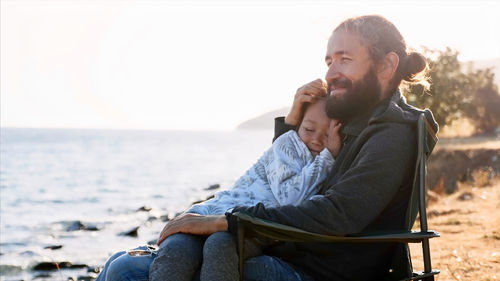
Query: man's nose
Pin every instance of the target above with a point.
(332, 73)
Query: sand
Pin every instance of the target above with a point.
(469, 223)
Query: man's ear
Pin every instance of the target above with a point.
(388, 66)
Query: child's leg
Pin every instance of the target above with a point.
(122, 266)
(179, 257)
(220, 259)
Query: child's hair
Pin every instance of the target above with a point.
(306, 106)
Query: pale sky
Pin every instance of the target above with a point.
(194, 65)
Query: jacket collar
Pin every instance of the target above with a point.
(357, 125)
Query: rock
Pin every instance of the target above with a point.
(52, 265)
(42, 275)
(75, 225)
(132, 232)
(213, 186)
(94, 269)
(465, 196)
(78, 225)
(152, 218)
(164, 218)
(144, 209)
(76, 266)
(91, 227)
(199, 201)
(53, 247)
(85, 278)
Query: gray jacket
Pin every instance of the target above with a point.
(367, 191)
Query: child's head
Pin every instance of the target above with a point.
(313, 129)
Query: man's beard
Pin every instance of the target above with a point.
(359, 97)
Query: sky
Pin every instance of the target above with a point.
(194, 65)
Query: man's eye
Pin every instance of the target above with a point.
(309, 130)
(345, 59)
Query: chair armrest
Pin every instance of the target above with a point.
(253, 225)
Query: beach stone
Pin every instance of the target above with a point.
(51, 265)
(132, 232)
(85, 278)
(152, 218)
(53, 247)
(76, 266)
(144, 209)
(465, 196)
(213, 186)
(75, 225)
(164, 218)
(42, 275)
(79, 225)
(203, 200)
(94, 269)
(91, 227)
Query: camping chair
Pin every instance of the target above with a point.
(401, 267)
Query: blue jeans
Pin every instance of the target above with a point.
(122, 266)
(268, 268)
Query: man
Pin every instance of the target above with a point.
(369, 186)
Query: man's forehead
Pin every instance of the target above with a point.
(344, 42)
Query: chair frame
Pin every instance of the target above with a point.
(250, 226)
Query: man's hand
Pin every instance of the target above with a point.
(193, 224)
(334, 141)
(305, 94)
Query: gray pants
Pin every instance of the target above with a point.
(180, 257)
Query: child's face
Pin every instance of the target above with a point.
(313, 130)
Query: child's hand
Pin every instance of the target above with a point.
(334, 141)
(305, 94)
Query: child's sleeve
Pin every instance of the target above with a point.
(293, 174)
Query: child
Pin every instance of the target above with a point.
(288, 173)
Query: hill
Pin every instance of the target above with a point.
(264, 121)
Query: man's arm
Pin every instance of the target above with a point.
(193, 224)
(350, 204)
(280, 127)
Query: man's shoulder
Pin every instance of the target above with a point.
(398, 111)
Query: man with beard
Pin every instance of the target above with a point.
(368, 188)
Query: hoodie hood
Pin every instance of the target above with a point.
(397, 110)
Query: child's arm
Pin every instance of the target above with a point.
(293, 174)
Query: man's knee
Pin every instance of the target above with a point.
(181, 246)
(219, 243)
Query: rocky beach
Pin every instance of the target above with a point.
(72, 240)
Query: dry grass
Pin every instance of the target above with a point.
(469, 224)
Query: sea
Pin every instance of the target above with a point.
(72, 195)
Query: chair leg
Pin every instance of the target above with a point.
(241, 244)
(427, 256)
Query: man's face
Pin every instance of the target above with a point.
(353, 86)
